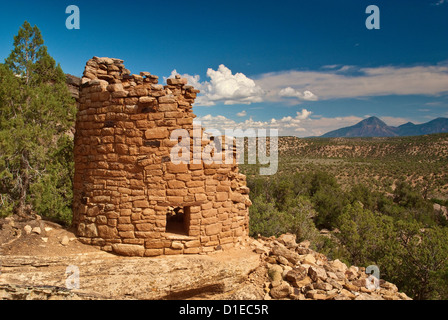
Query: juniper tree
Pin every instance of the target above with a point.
(36, 114)
(28, 49)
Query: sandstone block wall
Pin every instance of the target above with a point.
(129, 198)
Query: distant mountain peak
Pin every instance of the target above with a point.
(407, 124)
(375, 127)
(373, 121)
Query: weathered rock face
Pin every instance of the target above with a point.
(30, 292)
(297, 272)
(106, 276)
(129, 196)
(73, 84)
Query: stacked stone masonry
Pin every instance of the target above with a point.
(129, 197)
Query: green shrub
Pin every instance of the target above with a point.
(267, 220)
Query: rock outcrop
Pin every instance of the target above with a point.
(73, 84)
(297, 272)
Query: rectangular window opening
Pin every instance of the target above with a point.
(178, 220)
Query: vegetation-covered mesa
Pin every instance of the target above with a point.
(365, 201)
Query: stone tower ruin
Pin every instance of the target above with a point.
(129, 197)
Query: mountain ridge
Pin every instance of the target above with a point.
(375, 127)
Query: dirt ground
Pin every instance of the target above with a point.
(45, 241)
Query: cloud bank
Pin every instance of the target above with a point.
(301, 125)
(353, 82)
(295, 87)
(331, 82)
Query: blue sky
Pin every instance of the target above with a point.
(305, 67)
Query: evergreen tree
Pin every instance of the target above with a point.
(36, 114)
(363, 234)
(423, 260)
(28, 49)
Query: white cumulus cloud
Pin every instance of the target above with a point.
(231, 88)
(225, 87)
(303, 115)
(290, 92)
